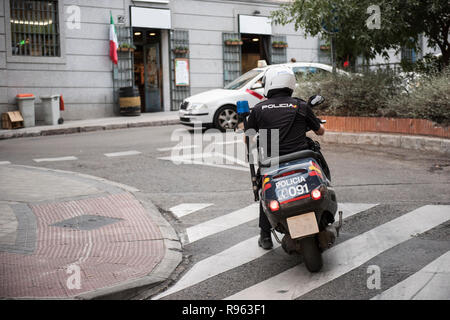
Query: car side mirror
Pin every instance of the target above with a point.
(257, 85)
(315, 100)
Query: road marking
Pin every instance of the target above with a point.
(177, 148)
(184, 209)
(190, 160)
(228, 259)
(222, 223)
(348, 255)
(237, 255)
(348, 208)
(69, 158)
(430, 283)
(4, 162)
(249, 213)
(123, 153)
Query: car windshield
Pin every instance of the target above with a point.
(242, 80)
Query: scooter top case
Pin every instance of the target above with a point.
(295, 184)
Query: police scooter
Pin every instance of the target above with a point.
(297, 197)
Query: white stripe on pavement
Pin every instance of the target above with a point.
(222, 223)
(249, 213)
(55, 159)
(430, 283)
(184, 209)
(237, 255)
(347, 256)
(122, 153)
(348, 208)
(4, 162)
(177, 148)
(189, 160)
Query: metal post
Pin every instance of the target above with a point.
(333, 53)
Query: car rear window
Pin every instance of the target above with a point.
(242, 80)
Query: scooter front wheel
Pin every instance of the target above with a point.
(311, 254)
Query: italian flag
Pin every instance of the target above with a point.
(113, 44)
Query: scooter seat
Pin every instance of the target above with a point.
(274, 161)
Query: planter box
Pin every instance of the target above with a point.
(179, 51)
(279, 45)
(125, 49)
(386, 125)
(234, 43)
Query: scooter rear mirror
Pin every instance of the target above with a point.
(315, 100)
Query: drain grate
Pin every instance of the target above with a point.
(86, 222)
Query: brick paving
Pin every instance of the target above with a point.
(124, 244)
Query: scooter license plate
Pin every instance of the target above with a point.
(302, 225)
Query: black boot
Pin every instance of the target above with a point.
(265, 240)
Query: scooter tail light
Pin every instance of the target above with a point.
(316, 194)
(274, 205)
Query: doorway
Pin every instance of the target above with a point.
(254, 47)
(148, 68)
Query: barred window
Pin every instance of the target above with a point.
(35, 28)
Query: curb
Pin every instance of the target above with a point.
(162, 272)
(418, 143)
(36, 132)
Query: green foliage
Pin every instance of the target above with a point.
(430, 99)
(428, 65)
(381, 93)
(402, 22)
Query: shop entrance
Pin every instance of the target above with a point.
(148, 69)
(255, 47)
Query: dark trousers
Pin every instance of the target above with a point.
(264, 223)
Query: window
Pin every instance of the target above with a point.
(408, 55)
(306, 73)
(34, 28)
(242, 80)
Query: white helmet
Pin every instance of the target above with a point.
(279, 77)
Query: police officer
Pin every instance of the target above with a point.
(290, 116)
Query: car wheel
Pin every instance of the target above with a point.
(226, 118)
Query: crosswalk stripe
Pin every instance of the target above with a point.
(184, 209)
(123, 153)
(228, 259)
(347, 256)
(430, 283)
(348, 208)
(4, 162)
(56, 159)
(249, 213)
(239, 254)
(222, 223)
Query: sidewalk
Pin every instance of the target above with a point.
(144, 120)
(66, 235)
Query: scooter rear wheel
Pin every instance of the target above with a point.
(311, 254)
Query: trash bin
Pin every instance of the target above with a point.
(129, 101)
(26, 108)
(50, 106)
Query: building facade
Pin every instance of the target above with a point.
(169, 49)
(62, 47)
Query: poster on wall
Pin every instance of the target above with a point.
(181, 72)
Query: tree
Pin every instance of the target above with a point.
(401, 24)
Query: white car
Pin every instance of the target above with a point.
(217, 108)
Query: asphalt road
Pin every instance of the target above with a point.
(222, 259)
